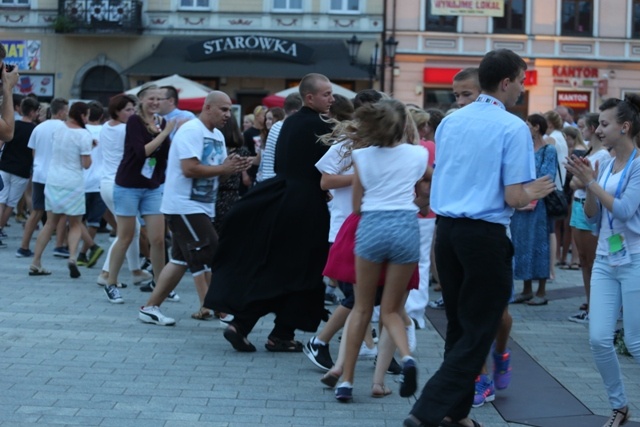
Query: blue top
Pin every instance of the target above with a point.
(480, 149)
(178, 115)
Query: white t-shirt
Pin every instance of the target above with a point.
(184, 195)
(92, 175)
(599, 156)
(335, 163)
(389, 176)
(562, 151)
(41, 141)
(65, 169)
(111, 149)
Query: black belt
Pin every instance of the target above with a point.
(579, 200)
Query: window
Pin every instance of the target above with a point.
(345, 5)
(513, 21)
(283, 5)
(440, 22)
(577, 18)
(14, 2)
(635, 15)
(199, 4)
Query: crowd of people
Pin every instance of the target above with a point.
(344, 194)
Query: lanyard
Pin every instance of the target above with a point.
(619, 189)
(490, 100)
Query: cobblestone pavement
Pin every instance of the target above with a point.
(69, 357)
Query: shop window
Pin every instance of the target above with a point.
(513, 21)
(194, 4)
(577, 18)
(440, 22)
(14, 2)
(345, 6)
(635, 15)
(100, 84)
(287, 5)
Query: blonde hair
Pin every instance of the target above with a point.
(382, 124)
(143, 114)
(419, 116)
(554, 119)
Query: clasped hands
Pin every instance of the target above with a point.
(235, 163)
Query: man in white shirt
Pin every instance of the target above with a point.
(198, 156)
(41, 142)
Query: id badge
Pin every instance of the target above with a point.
(618, 254)
(148, 167)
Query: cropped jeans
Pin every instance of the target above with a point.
(611, 289)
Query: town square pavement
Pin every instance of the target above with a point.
(69, 357)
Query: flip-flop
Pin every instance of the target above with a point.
(574, 266)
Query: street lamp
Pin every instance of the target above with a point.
(372, 67)
(390, 46)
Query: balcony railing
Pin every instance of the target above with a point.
(102, 16)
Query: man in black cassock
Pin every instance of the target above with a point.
(274, 241)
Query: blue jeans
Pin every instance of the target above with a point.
(611, 288)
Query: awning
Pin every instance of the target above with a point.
(329, 57)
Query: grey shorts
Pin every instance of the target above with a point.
(388, 236)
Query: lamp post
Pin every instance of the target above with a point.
(390, 46)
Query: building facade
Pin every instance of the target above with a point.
(93, 49)
(578, 52)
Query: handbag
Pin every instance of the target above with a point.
(556, 201)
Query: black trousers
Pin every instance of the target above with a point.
(474, 261)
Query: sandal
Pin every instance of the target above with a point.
(238, 341)
(202, 314)
(380, 390)
(574, 266)
(330, 379)
(283, 346)
(520, 298)
(538, 301)
(38, 271)
(618, 417)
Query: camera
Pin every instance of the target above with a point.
(9, 67)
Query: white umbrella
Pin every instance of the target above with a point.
(191, 94)
(277, 99)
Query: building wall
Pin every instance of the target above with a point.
(67, 56)
(542, 48)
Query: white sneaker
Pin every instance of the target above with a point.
(143, 277)
(153, 314)
(411, 336)
(367, 353)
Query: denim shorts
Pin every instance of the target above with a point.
(134, 201)
(578, 219)
(392, 236)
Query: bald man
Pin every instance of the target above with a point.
(197, 158)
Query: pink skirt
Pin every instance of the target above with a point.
(341, 263)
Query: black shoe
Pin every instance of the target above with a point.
(409, 379)
(318, 354)
(331, 299)
(74, 273)
(148, 287)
